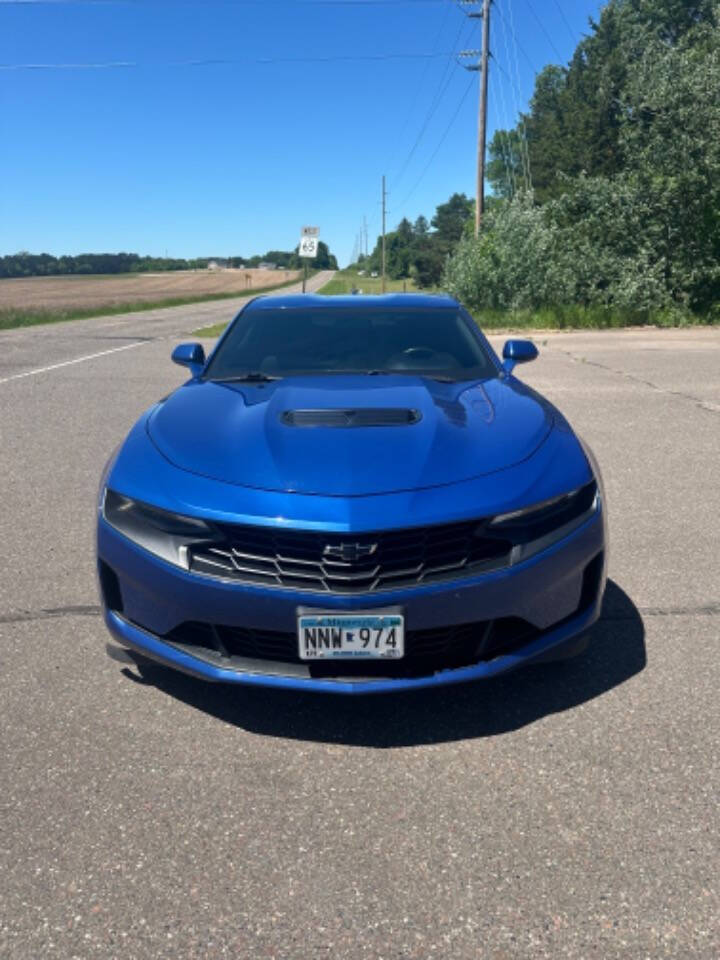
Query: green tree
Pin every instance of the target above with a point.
(671, 147)
(450, 219)
(624, 147)
(428, 265)
(576, 112)
(421, 226)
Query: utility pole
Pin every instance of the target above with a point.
(365, 235)
(482, 118)
(482, 67)
(384, 195)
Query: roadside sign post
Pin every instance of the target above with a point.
(308, 249)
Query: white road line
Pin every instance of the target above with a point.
(69, 363)
(210, 308)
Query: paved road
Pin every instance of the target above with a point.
(29, 349)
(567, 811)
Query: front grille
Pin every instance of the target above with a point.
(426, 651)
(337, 563)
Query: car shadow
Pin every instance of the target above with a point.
(443, 714)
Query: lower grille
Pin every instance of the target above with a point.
(110, 587)
(426, 651)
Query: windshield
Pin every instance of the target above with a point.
(277, 342)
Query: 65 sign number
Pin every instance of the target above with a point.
(309, 247)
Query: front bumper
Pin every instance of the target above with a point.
(548, 591)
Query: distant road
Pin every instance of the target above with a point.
(29, 351)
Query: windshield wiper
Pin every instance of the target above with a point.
(439, 377)
(252, 376)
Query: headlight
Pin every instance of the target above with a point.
(534, 528)
(165, 534)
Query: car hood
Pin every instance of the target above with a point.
(239, 434)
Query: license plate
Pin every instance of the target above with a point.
(351, 636)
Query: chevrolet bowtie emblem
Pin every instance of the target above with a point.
(349, 552)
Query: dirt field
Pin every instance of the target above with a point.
(90, 291)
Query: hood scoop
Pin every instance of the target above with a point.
(361, 417)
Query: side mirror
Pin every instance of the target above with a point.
(190, 355)
(518, 351)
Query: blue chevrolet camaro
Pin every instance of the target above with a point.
(351, 494)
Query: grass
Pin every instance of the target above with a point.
(568, 317)
(11, 317)
(577, 317)
(345, 280)
(214, 331)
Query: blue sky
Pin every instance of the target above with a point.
(233, 157)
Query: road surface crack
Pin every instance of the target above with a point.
(708, 610)
(51, 613)
(707, 405)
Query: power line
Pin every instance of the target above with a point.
(542, 27)
(517, 95)
(421, 84)
(444, 84)
(442, 141)
(432, 110)
(504, 126)
(570, 30)
(533, 66)
(220, 61)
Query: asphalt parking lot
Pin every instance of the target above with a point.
(565, 811)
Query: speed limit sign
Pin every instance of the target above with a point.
(308, 247)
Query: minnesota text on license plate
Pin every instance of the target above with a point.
(345, 637)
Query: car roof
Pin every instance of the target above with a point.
(369, 302)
